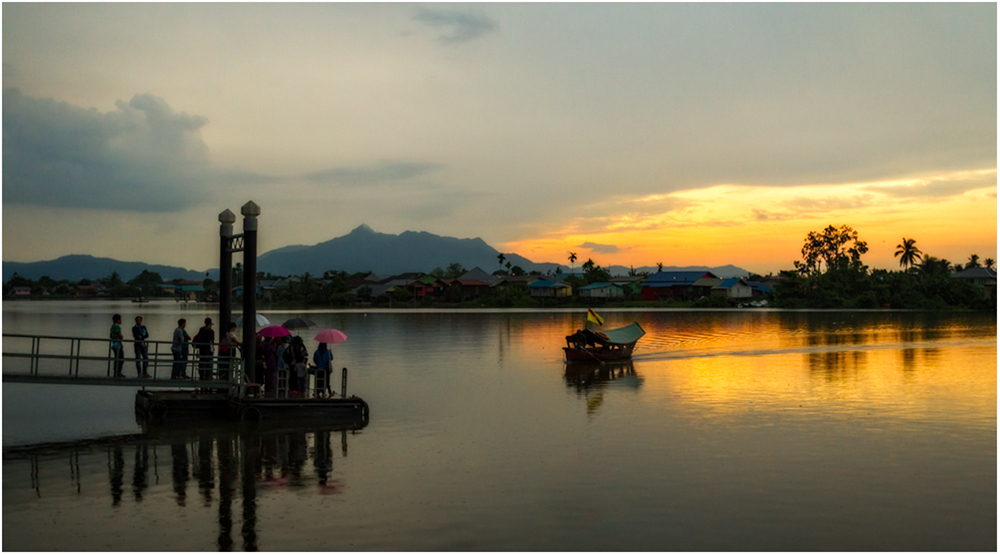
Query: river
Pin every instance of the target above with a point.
(730, 431)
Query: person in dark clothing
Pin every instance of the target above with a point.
(270, 356)
(140, 334)
(116, 344)
(179, 349)
(203, 343)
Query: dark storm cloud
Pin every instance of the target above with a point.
(460, 26)
(141, 157)
(598, 248)
(385, 171)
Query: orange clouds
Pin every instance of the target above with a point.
(952, 215)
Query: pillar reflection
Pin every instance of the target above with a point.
(229, 464)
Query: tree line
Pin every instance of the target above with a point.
(829, 275)
(832, 275)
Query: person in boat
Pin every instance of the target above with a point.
(583, 339)
(140, 335)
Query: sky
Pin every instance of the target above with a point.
(629, 134)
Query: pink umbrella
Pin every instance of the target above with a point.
(331, 336)
(274, 331)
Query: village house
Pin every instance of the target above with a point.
(86, 291)
(550, 289)
(514, 281)
(676, 286)
(601, 290)
(631, 285)
(984, 278)
(475, 283)
(733, 288)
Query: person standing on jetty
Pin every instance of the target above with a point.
(269, 354)
(140, 334)
(203, 343)
(179, 348)
(116, 344)
(323, 359)
(227, 348)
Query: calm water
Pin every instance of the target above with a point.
(730, 431)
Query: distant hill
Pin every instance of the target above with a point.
(75, 267)
(365, 250)
(361, 250)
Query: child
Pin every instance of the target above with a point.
(301, 373)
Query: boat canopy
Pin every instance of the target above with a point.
(622, 336)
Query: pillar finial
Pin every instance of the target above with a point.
(250, 209)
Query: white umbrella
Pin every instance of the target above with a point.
(261, 321)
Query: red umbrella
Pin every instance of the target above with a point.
(331, 336)
(274, 331)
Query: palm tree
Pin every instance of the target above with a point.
(973, 262)
(501, 258)
(659, 266)
(988, 263)
(908, 252)
(572, 259)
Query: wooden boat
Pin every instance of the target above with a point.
(603, 346)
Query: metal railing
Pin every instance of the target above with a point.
(68, 360)
(47, 357)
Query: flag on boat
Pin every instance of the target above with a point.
(593, 317)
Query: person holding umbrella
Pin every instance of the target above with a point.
(323, 359)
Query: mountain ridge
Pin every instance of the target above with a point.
(361, 250)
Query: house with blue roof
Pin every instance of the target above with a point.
(733, 288)
(674, 286)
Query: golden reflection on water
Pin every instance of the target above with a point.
(728, 365)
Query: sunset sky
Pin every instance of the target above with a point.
(632, 134)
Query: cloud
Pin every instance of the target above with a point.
(381, 172)
(598, 248)
(141, 157)
(461, 26)
(832, 204)
(938, 188)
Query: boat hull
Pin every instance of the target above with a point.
(591, 354)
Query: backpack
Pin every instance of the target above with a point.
(288, 356)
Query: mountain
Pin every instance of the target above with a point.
(75, 267)
(361, 250)
(365, 250)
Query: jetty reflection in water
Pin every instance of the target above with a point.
(222, 465)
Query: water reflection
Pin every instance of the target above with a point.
(230, 467)
(591, 380)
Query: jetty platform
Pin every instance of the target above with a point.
(215, 386)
